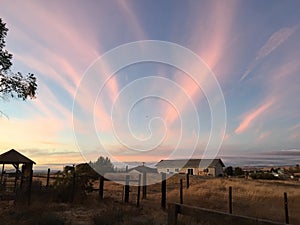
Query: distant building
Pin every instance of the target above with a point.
(201, 167)
(142, 169)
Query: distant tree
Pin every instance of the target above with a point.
(102, 165)
(13, 84)
(238, 171)
(229, 171)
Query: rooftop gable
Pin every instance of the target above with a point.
(13, 156)
(143, 169)
(189, 163)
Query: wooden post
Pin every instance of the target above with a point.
(30, 184)
(139, 191)
(127, 189)
(48, 177)
(172, 214)
(73, 184)
(163, 190)
(181, 192)
(101, 186)
(187, 181)
(286, 208)
(144, 185)
(2, 173)
(16, 178)
(230, 200)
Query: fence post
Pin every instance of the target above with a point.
(30, 186)
(172, 214)
(101, 186)
(286, 208)
(48, 177)
(144, 185)
(187, 181)
(127, 189)
(230, 199)
(181, 192)
(163, 190)
(139, 191)
(73, 184)
(2, 172)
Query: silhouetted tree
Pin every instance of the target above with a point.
(229, 171)
(238, 171)
(13, 84)
(102, 165)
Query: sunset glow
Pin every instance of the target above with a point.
(251, 47)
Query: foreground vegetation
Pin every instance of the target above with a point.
(255, 198)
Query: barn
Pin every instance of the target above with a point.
(200, 167)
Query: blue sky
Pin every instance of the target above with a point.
(252, 48)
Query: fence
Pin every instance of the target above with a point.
(211, 217)
(128, 180)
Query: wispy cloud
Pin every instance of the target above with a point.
(264, 135)
(276, 39)
(132, 18)
(214, 32)
(250, 117)
(190, 92)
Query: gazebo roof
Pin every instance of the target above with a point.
(12, 156)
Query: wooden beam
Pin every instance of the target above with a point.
(213, 217)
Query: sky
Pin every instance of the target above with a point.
(151, 110)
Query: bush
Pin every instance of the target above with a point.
(264, 176)
(72, 183)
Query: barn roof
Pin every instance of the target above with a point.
(143, 169)
(12, 156)
(189, 163)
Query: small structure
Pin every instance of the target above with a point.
(142, 169)
(201, 167)
(18, 180)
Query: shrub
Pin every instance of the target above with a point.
(264, 176)
(72, 183)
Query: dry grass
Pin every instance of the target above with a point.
(260, 199)
(255, 198)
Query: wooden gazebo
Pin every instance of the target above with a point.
(17, 181)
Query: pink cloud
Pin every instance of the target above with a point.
(192, 92)
(64, 41)
(250, 117)
(217, 32)
(264, 135)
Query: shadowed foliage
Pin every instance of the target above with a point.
(15, 85)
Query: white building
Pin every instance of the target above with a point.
(201, 167)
